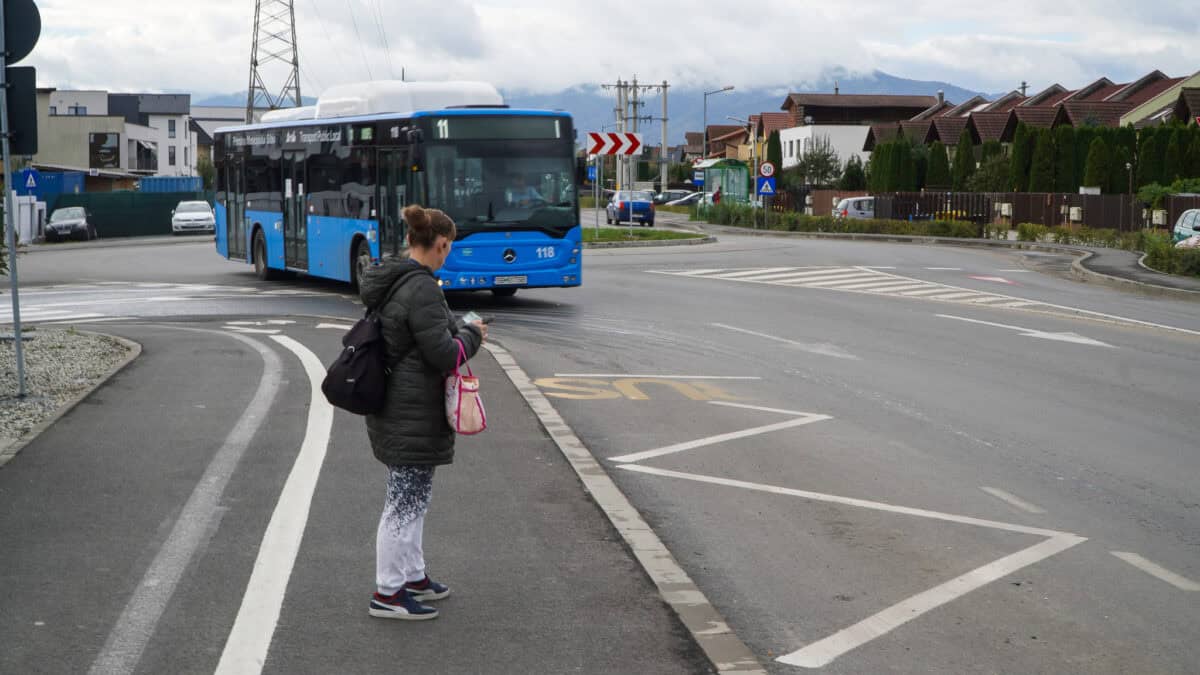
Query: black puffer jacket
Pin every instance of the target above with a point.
(420, 332)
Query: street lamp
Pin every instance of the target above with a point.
(1129, 170)
(706, 95)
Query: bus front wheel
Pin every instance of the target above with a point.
(362, 260)
(261, 269)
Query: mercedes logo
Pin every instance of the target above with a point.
(510, 256)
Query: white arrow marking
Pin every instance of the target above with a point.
(1073, 338)
(823, 349)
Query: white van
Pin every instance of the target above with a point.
(855, 207)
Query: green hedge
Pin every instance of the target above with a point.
(738, 215)
(1162, 255)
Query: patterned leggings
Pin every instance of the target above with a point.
(399, 556)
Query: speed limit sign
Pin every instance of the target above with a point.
(766, 169)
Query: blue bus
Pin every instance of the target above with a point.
(320, 189)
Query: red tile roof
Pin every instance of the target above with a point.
(1042, 117)
(1046, 96)
(773, 121)
(1095, 113)
(935, 110)
(948, 129)
(916, 130)
(1151, 90)
(880, 133)
(963, 109)
(994, 126)
(1005, 103)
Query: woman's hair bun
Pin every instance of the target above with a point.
(417, 218)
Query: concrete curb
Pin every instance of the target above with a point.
(120, 242)
(1079, 270)
(694, 241)
(15, 447)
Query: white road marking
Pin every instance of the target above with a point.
(751, 273)
(90, 318)
(337, 326)
(889, 286)
(614, 376)
(877, 267)
(958, 295)
(1014, 271)
(841, 281)
(250, 638)
(1158, 571)
(822, 652)
(1012, 499)
(707, 626)
(125, 644)
(944, 269)
(998, 280)
(846, 501)
(1030, 332)
(821, 349)
(802, 419)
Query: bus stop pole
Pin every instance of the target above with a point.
(9, 221)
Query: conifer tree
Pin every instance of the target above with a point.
(1096, 172)
(938, 176)
(1064, 159)
(989, 150)
(964, 161)
(1041, 169)
(1174, 158)
(1022, 155)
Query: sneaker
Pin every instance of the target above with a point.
(427, 589)
(400, 605)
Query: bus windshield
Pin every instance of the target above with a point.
(503, 183)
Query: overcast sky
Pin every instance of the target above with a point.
(543, 46)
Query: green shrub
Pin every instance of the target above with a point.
(1031, 232)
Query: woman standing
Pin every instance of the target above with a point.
(411, 435)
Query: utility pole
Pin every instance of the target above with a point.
(662, 158)
(274, 41)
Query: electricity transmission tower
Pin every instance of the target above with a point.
(274, 53)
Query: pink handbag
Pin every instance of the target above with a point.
(464, 408)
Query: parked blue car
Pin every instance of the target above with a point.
(630, 206)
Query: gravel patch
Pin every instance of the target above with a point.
(59, 366)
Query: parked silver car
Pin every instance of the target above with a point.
(855, 207)
(1188, 225)
(193, 217)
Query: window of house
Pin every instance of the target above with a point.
(53, 110)
(77, 110)
(171, 155)
(171, 129)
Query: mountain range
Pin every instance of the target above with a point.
(592, 107)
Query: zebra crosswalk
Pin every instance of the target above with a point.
(856, 280)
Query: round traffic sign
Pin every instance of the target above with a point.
(22, 28)
(766, 169)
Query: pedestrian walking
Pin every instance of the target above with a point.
(716, 198)
(411, 435)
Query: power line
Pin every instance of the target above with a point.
(358, 35)
(328, 37)
(383, 34)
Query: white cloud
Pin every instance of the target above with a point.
(544, 45)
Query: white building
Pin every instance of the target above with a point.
(846, 140)
(117, 135)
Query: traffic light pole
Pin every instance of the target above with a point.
(9, 224)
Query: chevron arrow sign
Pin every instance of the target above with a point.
(614, 143)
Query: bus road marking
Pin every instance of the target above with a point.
(812, 348)
(1013, 500)
(629, 388)
(802, 419)
(825, 651)
(1157, 571)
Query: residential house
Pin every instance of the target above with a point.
(844, 120)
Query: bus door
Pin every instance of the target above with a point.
(393, 197)
(295, 212)
(235, 208)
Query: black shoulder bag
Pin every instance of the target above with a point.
(357, 380)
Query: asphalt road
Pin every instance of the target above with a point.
(870, 457)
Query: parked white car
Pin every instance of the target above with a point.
(193, 217)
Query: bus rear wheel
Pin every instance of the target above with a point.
(261, 269)
(504, 292)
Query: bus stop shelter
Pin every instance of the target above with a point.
(730, 175)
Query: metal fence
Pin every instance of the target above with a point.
(1175, 205)
(1118, 212)
(131, 214)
